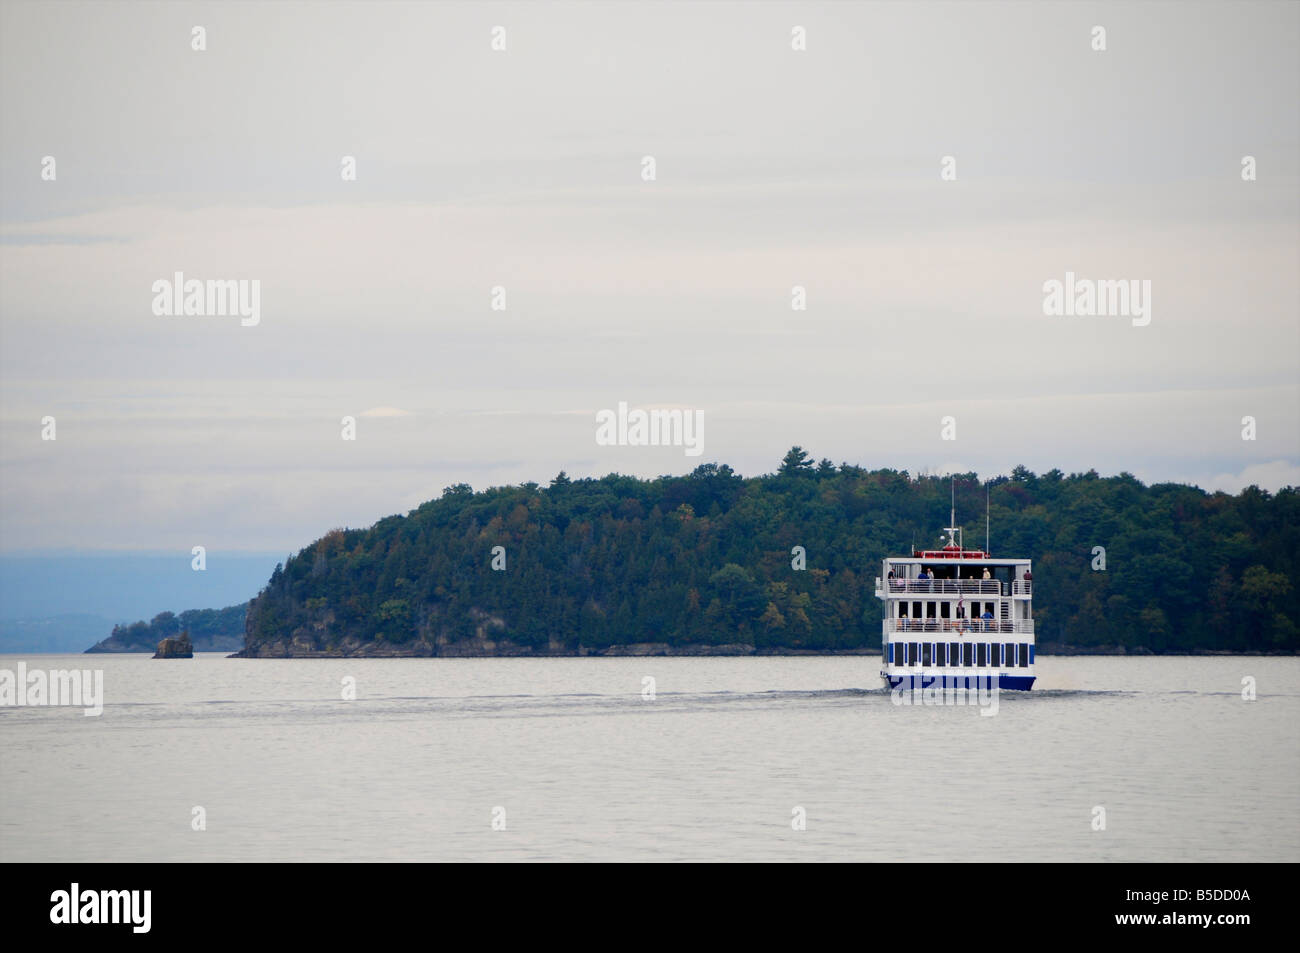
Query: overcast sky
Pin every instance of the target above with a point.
(522, 168)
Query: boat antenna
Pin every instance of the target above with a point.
(986, 519)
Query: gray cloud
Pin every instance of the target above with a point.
(521, 169)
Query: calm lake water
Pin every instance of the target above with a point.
(711, 768)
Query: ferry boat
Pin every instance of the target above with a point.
(956, 618)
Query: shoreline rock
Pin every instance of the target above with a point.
(484, 648)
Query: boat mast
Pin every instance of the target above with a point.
(951, 528)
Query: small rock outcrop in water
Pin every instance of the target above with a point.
(179, 647)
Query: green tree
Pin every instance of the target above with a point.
(796, 462)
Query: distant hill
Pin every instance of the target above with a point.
(211, 630)
(73, 598)
(70, 632)
(703, 563)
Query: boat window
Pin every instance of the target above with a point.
(939, 651)
(967, 653)
(913, 654)
(1024, 655)
(954, 653)
(1011, 654)
(981, 655)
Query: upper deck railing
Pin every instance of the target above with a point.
(990, 587)
(985, 587)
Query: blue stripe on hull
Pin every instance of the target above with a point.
(1010, 683)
